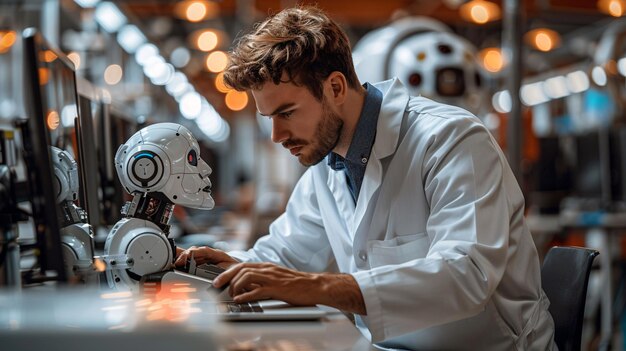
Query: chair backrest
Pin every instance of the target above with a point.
(564, 277)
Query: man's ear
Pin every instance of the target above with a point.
(338, 87)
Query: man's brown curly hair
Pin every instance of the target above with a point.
(301, 42)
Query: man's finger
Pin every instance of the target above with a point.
(227, 275)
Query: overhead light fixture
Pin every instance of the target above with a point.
(599, 76)
(7, 39)
(113, 74)
(614, 8)
(109, 17)
(501, 101)
(577, 81)
(480, 11)
(216, 61)
(180, 57)
(543, 39)
(207, 40)
(87, 4)
(491, 59)
(196, 10)
(130, 38)
(145, 52)
(236, 100)
(532, 94)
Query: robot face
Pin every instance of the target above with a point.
(165, 158)
(439, 66)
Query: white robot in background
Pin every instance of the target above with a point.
(427, 57)
(76, 232)
(160, 166)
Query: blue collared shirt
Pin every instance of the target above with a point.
(358, 155)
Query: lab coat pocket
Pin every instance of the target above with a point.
(398, 250)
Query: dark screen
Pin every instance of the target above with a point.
(50, 96)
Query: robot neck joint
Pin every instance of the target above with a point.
(153, 207)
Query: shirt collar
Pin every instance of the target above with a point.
(365, 132)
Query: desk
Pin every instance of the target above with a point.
(335, 332)
(79, 319)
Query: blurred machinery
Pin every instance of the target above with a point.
(76, 232)
(427, 57)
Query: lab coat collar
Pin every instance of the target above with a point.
(395, 99)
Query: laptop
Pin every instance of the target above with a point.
(200, 278)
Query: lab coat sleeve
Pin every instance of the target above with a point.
(297, 238)
(468, 231)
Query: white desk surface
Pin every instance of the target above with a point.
(334, 332)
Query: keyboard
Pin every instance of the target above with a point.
(208, 271)
(244, 307)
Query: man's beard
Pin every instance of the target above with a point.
(325, 139)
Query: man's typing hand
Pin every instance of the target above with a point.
(261, 281)
(203, 255)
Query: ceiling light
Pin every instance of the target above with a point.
(196, 11)
(532, 94)
(577, 81)
(220, 85)
(87, 3)
(501, 101)
(491, 59)
(236, 100)
(543, 39)
(556, 87)
(216, 61)
(614, 8)
(7, 39)
(191, 105)
(109, 17)
(207, 40)
(479, 11)
(113, 74)
(599, 76)
(180, 57)
(145, 52)
(130, 38)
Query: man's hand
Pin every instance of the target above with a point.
(261, 281)
(204, 255)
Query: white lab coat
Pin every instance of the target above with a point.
(437, 240)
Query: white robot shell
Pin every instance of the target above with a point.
(145, 243)
(165, 158)
(65, 175)
(427, 57)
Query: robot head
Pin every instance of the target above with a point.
(165, 158)
(429, 61)
(65, 175)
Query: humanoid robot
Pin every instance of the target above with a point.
(76, 232)
(160, 166)
(427, 57)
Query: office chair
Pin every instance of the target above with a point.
(564, 277)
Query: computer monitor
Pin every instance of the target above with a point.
(601, 165)
(115, 128)
(86, 154)
(49, 95)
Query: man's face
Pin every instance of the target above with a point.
(307, 127)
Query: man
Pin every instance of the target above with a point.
(409, 208)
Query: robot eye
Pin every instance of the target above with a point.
(444, 49)
(415, 79)
(192, 158)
